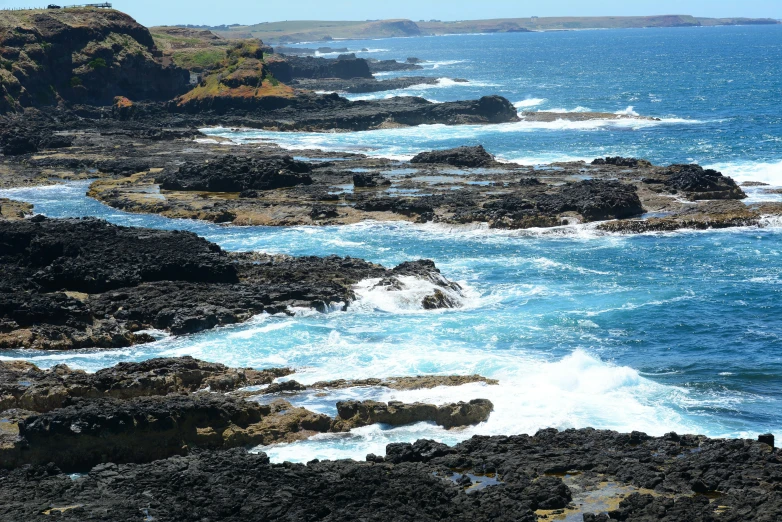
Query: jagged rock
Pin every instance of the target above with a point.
(458, 157)
(69, 284)
(622, 162)
(355, 414)
(700, 184)
(369, 180)
(25, 386)
(320, 212)
(364, 85)
(421, 481)
(90, 432)
(594, 200)
(438, 300)
(377, 66)
(234, 174)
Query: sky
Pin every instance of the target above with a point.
(246, 12)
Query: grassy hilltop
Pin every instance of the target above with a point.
(312, 30)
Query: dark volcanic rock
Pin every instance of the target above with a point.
(84, 283)
(369, 180)
(343, 68)
(377, 66)
(327, 112)
(89, 255)
(702, 184)
(91, 432)
(17, 140)
(25, 386)
(595, 200)
(364, 85)
(458, 157)
(235, 174)
(619, 161)
(427, 480)
(355, 414)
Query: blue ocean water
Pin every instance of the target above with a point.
(655, 332)
(716, 90)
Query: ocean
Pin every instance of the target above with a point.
(655, 332)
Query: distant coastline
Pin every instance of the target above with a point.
(312, 30)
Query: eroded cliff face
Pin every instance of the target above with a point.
(83, 55)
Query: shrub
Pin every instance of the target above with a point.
(76, 81)
(97, 63)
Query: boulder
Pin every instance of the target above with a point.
(700, 184)
(458, 157)
(370, 180)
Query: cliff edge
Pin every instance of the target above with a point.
(81, 55)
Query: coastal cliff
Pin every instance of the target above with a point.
(81, 55)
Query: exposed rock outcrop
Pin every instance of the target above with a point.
(699, 183)
(25, 386)
(377, 66)
(83, 55)
(90, 432)
(458, 157)
(12, 210)
(619, 161)
(233, 174)
(364, 85)
(369, 180)
(355, 414)
(518, 478)
(312, 68)
(407, 383)
(84, 283)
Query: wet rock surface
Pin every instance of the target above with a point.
(355, 414)
(75, 283)
(484, 478)
(140, 412)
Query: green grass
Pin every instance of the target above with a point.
(198, 59)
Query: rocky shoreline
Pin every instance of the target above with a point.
(145, 436)
(89, 95)
(83, 283)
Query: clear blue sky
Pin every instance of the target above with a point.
(216, 12)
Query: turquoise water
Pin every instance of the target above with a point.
(656, 332)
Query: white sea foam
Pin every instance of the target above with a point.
(530, 102)
(409, 298)
(627, 112)
(766, 172)
(578, 390)
(443, 63)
